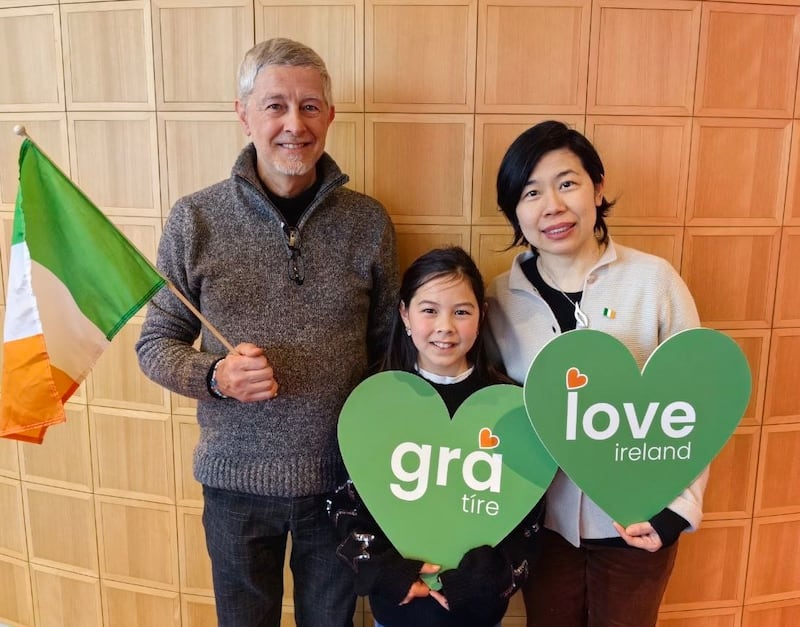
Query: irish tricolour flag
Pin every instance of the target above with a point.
(74, 281)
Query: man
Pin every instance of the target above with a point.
(302, 274)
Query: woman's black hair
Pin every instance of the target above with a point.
(453, 262)
(525, 153)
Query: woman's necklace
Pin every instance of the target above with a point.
(581, 319)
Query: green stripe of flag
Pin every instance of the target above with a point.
(66, 233)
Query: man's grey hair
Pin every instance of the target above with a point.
(280, 51)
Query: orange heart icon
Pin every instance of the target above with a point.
(575, 379)
(486, 439)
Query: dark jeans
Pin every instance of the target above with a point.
(246, 539)
(595, 585)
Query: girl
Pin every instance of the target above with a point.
(437, 334)
(592, 572)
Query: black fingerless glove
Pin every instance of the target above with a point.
(393, 576)
(480, 584)
(668, 526)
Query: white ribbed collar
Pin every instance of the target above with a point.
(442, 379)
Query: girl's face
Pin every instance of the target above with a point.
(558, 208)
(444, 317)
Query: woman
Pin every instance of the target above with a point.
(592, 572)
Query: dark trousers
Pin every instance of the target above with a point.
(595, 585)
(246, 539)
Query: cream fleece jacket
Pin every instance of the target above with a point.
(651, 302)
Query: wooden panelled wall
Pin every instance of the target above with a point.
(693, 105)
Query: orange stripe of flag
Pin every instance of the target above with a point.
(32, 390)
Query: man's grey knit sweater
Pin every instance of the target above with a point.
(224, 247)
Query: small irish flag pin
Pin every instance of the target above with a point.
(609, 313)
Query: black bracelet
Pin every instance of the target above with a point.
(211, 380)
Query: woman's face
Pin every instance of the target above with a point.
(558, 207)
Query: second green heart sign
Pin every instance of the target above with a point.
(631, 440)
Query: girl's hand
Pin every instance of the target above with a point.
(640, 535)
(420, 589)
(440, 599)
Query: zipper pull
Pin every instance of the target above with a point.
(292, 237)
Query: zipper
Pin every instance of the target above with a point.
(292, 233)
(295, 266)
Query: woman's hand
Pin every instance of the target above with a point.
(640, 535)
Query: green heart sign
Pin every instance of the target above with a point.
(439, 487)
(634, 441)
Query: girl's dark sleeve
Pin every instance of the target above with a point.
(378, 567)
(492, 575)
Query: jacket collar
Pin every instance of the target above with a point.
(518, 281)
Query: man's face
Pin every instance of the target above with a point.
(287, 119)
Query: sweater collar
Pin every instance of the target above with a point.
(329, 172)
